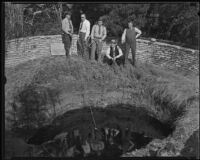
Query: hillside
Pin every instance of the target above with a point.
(49, 87)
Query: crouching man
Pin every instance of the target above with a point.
(114, 54)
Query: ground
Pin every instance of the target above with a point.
(60, 85)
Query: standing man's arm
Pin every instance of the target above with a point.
(139, 32)
(87, 30)
(123, 36)
(92, 32)
(104, 33)
(79, 28)
(72, 27)
(65, 26)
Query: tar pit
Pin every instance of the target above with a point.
(106, 132)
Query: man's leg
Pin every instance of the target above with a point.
(84, 46)
(108, 61)
(67, 44)
(94, 46)
(99, 49)
(81, 38)
(86, 50)
(119, 61)
(78, 47)
(127, 53)
(133, 48)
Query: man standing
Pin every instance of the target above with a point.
(67, 31)
(98, 34)
(84, 32)
(114, 54)
(129, 36)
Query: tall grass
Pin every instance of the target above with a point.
(164, 93)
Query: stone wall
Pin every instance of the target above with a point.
(170, 56)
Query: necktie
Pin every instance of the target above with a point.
(81, 25)
(99, 30)
(70, 25)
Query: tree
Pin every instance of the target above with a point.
(13, 20)
(177, 21)
(116, 20)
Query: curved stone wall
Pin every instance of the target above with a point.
(170, 56)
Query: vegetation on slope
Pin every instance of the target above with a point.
(37, 87)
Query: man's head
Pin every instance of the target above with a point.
(68, 15)
(130, 24)
(83, 17)
(113, 42)
(100, 21)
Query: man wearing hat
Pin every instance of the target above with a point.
(67, 31)
(98, 34)
(114, 54)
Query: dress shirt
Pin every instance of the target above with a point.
(85, 27)
(99, 32)
(67, 26)
(108, 52)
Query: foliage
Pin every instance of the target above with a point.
(13, 20)
(177, 22)
(120, 14)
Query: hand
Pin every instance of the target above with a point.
(123, 41)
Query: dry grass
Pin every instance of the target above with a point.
(164, 91)
(169, 97)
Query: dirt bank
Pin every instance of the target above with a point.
(59, 86)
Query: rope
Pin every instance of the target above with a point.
(93, 118)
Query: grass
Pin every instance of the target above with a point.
(168, 96)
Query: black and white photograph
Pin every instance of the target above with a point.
(102, 80)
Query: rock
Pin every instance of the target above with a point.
(167, 150)
(70, 152)
(191, 148)
(86, 148)
(61, 136)
(153, 152)
(97, 145)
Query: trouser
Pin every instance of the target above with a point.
(118, 61)
(132, 46)
(66, 39)
(96, 46)
(83, 46)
